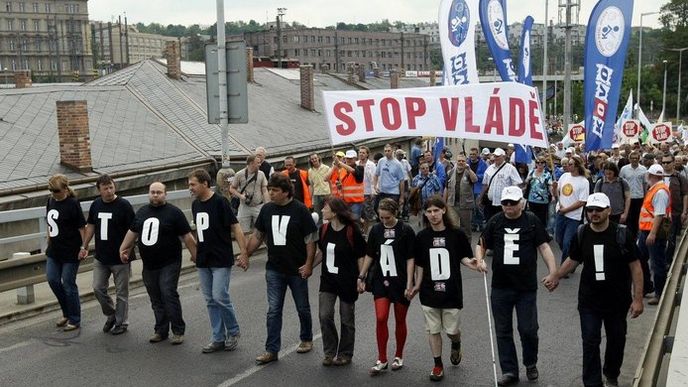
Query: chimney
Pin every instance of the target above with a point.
(22, 79)
(361, 74)
(249, 65)
(307, 99)
(394, 79)
(433, 78)
(174, 68)
(72, 129)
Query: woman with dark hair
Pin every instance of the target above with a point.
(539, 190)
(342, 248)
(617, 190)
(66, 232)
(389, 256)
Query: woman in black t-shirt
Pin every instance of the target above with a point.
(390, 258)
(342, 249)
(66, 227)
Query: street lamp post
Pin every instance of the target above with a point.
(664, 92)
(678, 95)
(640, 53)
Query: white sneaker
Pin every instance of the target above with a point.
(397, 364)
(377, 368)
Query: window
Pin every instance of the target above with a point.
(312, 38)
(8, 6)
(48, 9)
(39, 64)
(37, 43)
(36, 9)
(348, 53)
(327, 39)
(12, 45)
(296, 52)
(356, 40)
(22, 7)
(320, 39)
(10, 24)
(26, 64)
(24, 45)
(53, 65)
(295, 39)
(320, 52)
(14, 65)
(349, 40)
(22, 24)
(36, 25)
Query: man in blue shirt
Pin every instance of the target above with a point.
(389, 178)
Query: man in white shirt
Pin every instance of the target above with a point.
(634, 174)
(505, 175)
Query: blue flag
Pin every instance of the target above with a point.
(606, 41)
(493, 21)
(523, 152)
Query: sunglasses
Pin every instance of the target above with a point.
(666, 162)
(590, 210)
(55, 190)
(509, 202)
(541, 163)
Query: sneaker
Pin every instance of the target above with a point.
(267, 357)
(156, 338)
(118, 329)
(70, 327)
(328, 361)
(508, 380)
(214, 346)
(653, 301)
(532, 373)
(456, 354)
(231, 343)
(61, 322)
(305, 346)
(378, 368)
(177, 339)
(437, 374)
(397, 364)
(109, 324)
(611, 382)
(342, 361)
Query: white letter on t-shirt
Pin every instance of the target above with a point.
(510, 246)
(279, 229)
(598, 253)
(331, 268)
(52, 225)
(202, 224)
(104, 218)
(149, 234)
(439, 264)
(387, 261)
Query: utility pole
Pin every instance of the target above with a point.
(545, 64)
(402, 51)
(126, 37)
(336, 51)
(121, 51)
(222, 80)
(568, 5)
(280, 13)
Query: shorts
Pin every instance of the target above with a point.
(438, 320)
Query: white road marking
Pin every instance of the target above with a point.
(256, 368)
(15, 346)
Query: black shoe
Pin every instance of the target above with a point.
(456, 353)
(532, 373)
(611, 382)
(118, 329)
(109, 324)
(214, 346)
(508, 380)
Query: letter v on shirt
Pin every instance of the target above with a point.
(279, 229)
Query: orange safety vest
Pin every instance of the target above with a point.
(647, 211)
(336, 184)
(352, 191)
(304, 185)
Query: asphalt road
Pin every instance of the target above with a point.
(33, 352)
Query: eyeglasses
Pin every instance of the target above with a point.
(509, 203)
(666, 162)
(590, 210)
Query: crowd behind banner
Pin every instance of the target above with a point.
(354, 215)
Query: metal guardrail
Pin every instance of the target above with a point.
(652, 369)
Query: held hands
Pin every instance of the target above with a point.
(242, 261)
(476, 264)
(305, 271)
(360, 285)
(551, 281)
(410, 293)
(83, 253)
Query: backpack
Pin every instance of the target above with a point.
(620, 237)
(349, 233)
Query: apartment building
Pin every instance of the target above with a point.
(118, 45)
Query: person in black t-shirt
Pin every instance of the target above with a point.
(440, 248)
(342, 248)
(65, 235)
(516, 237)
(215, 222)
(288, 230)
(109, 219)
(604, 295)
(389, 257)
(159, 227)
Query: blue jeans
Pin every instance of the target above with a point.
(615, 329)
(277, 288)
(564, 232)
(477, 221)
(356, 210)
(657, 258)
(62, 280)
(161, 285)
(503, 302)
(215, 289)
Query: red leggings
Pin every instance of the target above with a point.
(382, 314)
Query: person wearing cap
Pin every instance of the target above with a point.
(570, 151)
(317, 182)
(652, 240)
(368, 212)
(610, 265)
(678, 188)
(516, 237)
(498, 176)
(485, 155)
(573, 189)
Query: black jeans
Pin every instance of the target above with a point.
(676, 227)
(161, 285)
(541, 211)
(503, 302)
(615, 328)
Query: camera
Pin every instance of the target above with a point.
(248, 199)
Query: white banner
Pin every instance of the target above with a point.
(505, 112)
(457, 20)
(660, 132)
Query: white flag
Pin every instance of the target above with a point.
(626, 114)
(457, 19)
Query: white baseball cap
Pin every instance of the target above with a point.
(615, 146)
(598, 200)
(512, 193)
(570, 150)
(656, 169)
(499, 152)
(350, 154)
(485, 151)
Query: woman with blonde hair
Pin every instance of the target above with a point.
(573, 188)
(66, 231)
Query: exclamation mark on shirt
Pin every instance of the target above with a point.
(598, 251)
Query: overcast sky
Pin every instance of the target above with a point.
(321, 13)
